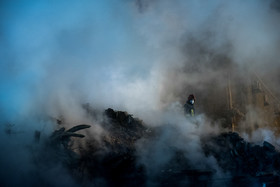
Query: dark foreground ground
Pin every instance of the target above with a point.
(113, 160)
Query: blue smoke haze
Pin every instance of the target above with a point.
(112, 54)
(124, 54)
(70, 46)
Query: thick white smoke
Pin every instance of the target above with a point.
(140, 56)
(123, 54)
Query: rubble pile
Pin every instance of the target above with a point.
(243, 159)
(111, 160)
(123, 130)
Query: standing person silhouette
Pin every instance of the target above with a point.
(189, 106)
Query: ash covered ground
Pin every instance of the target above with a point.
(128, 152)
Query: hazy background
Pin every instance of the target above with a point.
(129, 55)
(142, 56)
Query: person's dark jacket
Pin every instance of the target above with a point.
(189, 108)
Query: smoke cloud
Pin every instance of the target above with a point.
(142, 56)
(129, 53)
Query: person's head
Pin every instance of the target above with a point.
(191, 99)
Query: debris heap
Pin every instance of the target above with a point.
(111, 160)
(242, 159)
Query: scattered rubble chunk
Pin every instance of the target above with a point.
(268, 146)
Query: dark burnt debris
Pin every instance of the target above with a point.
(123, 129)
(112, 160)
(57, 149)
(239, 157)
(62, 137)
